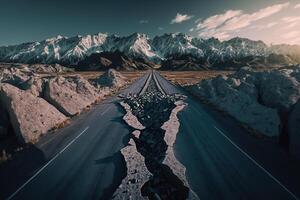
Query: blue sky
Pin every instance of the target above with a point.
(273, 21)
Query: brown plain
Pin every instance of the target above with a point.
(191, 77)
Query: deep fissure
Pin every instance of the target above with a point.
(153, 109)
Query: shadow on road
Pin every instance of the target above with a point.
(14, 172)
(117, 159)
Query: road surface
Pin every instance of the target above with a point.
(217, 167)
(84, 161)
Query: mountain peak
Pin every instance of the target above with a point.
(58, 37)
(71, 50)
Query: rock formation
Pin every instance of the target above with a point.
(265, 101)
(30, 116)
(110, 78)
(228, 94)
(70, 94)
(33, 103)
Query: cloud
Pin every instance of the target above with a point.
(271, 24)
(223, 26)
(291, 35)
(291, 19)
(179, 18)
(262, 26)
(291, 22)
(297, 6)
(143, 21)
(218, 20)
(160, 28)
(191, 29)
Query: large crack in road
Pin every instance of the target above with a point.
(152, 169)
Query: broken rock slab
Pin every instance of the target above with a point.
(241, 103)
(131, 119)
(172, 127)
(71, 94)
(137, 174)
(30, 116)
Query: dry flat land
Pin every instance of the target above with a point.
(177, 77)
(191, 77)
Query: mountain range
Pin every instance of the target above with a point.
(169, 50)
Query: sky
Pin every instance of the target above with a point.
(273, 21)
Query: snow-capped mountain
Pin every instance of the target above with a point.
(176, 44)
(74, 49)
(71, 50)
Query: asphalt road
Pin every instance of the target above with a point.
(218, 167)
(83, 161)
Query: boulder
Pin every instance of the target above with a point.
(235, 97)
(14, 76)
(29, 116)
(110, 78)
(71, 94)
(294, 131)
(266, 101)
(278, 89)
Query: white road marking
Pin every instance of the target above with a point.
(250, 158)
(48, 163)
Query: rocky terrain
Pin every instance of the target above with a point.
(33, 104)
(153, 116)
(267, 102)
(138, 51)
(36, 68)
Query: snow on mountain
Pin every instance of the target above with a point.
(215, 50)
(71, 50)
(74, 49)
(175, 44)
(135, 45)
